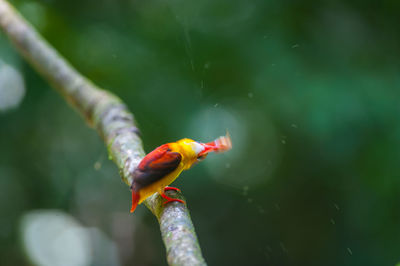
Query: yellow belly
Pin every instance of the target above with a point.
(159, 186)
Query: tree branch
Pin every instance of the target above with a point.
(115, 124)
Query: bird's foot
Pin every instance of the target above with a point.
(169, 199)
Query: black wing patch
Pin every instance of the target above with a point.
(154, 166)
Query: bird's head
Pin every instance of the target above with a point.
(196, 151)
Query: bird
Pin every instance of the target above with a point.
(163, 165)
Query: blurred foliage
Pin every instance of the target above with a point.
(309, 91)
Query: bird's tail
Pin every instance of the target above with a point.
(135, 200)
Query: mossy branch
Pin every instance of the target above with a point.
(113, 121)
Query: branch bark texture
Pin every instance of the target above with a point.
(115, 124)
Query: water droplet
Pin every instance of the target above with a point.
(267, 256)
(245, 190)
(294, 126)
(283, 141)
(97, 166)
(295, 45)
(250, 94)
(336, 206)
(350, 252)
(227, 165)
(333, 222)
(192, 63)
(216, 105)
(207, 65)
(283, 247)
(266, 252)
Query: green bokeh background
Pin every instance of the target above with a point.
(309, 91)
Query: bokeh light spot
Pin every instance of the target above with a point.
(53, 238)
(12, 87)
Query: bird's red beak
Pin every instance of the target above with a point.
(221, 144)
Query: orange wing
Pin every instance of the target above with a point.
(154, 166)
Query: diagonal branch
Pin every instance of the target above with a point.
(113, 121)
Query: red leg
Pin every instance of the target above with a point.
(169, 199)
